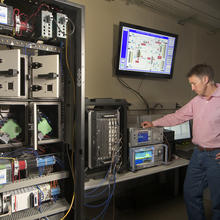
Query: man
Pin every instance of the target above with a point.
(204, 167)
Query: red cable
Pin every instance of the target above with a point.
(35, 13)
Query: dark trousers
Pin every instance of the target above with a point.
(203, 171)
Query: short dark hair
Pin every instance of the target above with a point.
(201, 70)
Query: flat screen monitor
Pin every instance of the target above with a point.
(145, 52)
(182, 131)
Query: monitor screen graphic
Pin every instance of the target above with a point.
(182, 131)
(145, 52)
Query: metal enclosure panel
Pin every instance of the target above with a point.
(77, 62)
(58, 121)
(10, 85)
(46, 24)
(61, 22)
(150, 155)
(50, 87)
(145, 136)
(103, 136)
(34, 106)
(20, 115)
(80, 114)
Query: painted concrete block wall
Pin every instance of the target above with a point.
(102, 17)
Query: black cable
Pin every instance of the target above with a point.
(136, 93)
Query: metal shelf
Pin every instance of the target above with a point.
(47, 209)
(180, 162)
(34, 181)
(7, 40)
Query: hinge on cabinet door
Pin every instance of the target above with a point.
(30, 126)
(78, 78)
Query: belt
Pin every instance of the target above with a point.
(207, 148)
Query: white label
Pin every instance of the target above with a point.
(3, 176)
(3, 15)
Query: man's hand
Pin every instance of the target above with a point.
(147, 124)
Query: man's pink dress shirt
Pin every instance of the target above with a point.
(206, 119)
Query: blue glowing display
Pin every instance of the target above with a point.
(142, 137)
(143, 156)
